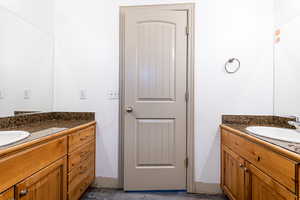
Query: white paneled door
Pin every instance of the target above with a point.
(155, 76)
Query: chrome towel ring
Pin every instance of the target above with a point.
(232, 65)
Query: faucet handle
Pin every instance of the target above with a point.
(296, 117)
(292, 123)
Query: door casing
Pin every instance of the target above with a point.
(190, 8)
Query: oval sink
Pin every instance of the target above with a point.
(283, 134)
(9, 137)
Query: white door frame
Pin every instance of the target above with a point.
(190, 8)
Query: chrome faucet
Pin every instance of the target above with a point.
(295, 123)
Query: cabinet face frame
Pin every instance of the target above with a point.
(35, 178)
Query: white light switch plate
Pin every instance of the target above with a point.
(83, 94)
(27, 94)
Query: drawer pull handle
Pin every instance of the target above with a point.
(258, 158)
(82, 171)
(241, 166)
(84, 138)
(23, 193)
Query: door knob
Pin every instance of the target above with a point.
(129, 109)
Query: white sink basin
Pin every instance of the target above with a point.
(9, 137)
(283, 134)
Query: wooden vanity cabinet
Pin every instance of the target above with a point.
(252, 172)
(61, 167)
(47, 184)
(8, 194)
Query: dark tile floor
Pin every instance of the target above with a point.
(105, 194)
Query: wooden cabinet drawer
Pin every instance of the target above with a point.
(81, 137)
(8, 194)
(21, 165)
(80, 172)
(81, 154)
(76, 192)
(278, 167)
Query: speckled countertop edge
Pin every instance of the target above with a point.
(241, 122)
(290, 146)
(41, 125)
(33, 118)
(47, 128)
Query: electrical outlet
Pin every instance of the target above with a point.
(83, 94)
(113, 95)
(27, 94)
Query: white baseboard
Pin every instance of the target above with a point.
(107, 182)
(207, 188)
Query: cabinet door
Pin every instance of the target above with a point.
(260, 186)
(7, 195)
(232, 174)
(47, 184)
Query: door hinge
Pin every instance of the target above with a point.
(187, 96)
(187, 29)
(186, 162)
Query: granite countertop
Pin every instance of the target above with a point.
(290, 146)
(42, 125)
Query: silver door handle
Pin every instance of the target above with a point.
(129, 109)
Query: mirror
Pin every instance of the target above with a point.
(287, 58)
(26, 62)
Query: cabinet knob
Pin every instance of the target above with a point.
(82, 138)
(258, 158)
(241, 165)
(23, 193)
(246, 169)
